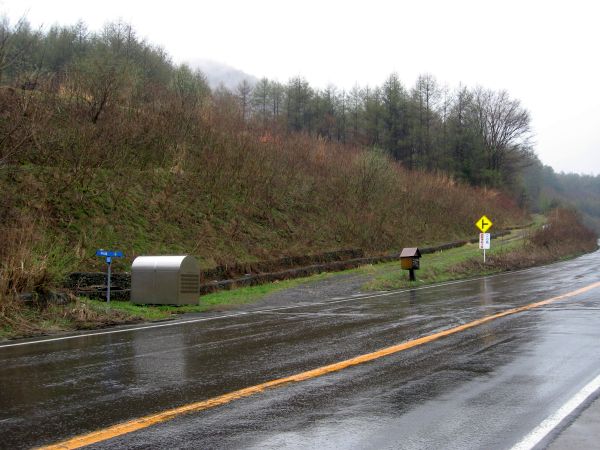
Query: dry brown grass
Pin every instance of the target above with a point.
(162, 179)
(80, 316)
(21, 270)
(42, 318)
(563, 236)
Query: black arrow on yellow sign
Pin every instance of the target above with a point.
(483, 224)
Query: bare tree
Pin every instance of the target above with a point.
(243, 91)
(277, 97)
(12, 53)
(356, 109)
(260, 100)
(505, 127)
(426, 95)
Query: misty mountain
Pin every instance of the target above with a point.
(217, 73)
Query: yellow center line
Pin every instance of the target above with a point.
(152, 419)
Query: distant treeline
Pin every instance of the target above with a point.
(476, 135)
(547, 189)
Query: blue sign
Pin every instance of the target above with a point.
(109, 253)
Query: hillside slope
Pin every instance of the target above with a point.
(138, 183)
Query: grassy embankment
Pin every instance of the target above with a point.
(166, 180)
(111, 146)
(522, 248)
(561, 237)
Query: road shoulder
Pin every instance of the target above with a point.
(583, 432)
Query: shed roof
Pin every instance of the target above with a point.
(164, 262)
(409, 252)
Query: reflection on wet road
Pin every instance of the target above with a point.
(485, 387)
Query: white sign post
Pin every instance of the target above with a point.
(485, 240)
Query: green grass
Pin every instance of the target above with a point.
(216, 301)
(437, 267)
(145, 312)
(538, 220)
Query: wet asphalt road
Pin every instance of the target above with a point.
(484, 388)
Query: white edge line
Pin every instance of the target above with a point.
(552, 421)
(258, 311)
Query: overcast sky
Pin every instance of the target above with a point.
(545, 53)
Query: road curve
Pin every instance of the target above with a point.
(486, 386)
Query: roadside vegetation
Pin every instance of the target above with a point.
(216, 301)
(549, 190)
(105, 143)
(561, 236)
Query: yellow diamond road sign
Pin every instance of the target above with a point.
(483, 224)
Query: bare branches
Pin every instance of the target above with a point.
(504, 126)
(479, 135)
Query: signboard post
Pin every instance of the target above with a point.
(485, 238)
(109, 255)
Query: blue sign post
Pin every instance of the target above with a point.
(109, 255)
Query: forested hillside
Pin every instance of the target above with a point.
(104, 142)
(547, 189)
(473, 134)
